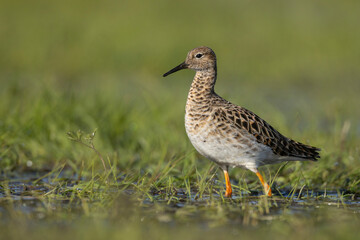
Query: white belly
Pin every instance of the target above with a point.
(227, 151)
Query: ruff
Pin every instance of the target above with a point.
(230, 135)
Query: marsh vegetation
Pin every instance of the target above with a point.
(73, 66)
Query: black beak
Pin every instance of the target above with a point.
(177, 68)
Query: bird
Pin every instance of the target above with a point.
(228, 134)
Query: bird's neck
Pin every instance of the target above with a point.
(202, 89)
(204, 82)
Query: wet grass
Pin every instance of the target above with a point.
(99, 66)
(104, 207)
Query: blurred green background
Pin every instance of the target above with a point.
(264, 41)
(66, 65)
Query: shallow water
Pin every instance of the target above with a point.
(29, 197)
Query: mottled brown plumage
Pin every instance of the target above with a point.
(230, 135)
(267, 135)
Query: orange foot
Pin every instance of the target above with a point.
(228, 192)
(266, 186)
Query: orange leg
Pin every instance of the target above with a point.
(266, 186)
(228, 192)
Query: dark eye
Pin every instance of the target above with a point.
(199, 55)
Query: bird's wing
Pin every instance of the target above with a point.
(264, 133)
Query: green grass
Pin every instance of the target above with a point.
(68, 66)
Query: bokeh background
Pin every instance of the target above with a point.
(68, 65)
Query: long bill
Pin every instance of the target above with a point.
(177, 68)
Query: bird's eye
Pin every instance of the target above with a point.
(199, 55)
